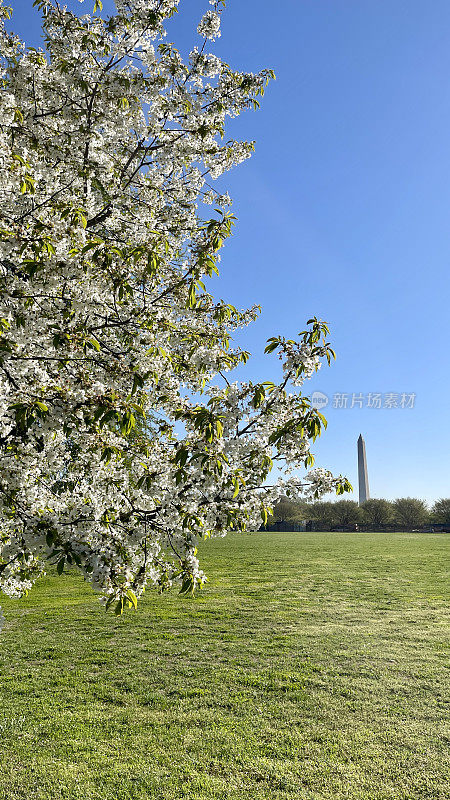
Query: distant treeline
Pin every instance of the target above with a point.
(404, 513)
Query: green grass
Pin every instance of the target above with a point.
(312, 666)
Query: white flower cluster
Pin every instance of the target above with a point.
(206, 64)
(107, 332)
(301, 358)
(210, 197)
(209, 25)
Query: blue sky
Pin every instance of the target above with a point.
(344, 213)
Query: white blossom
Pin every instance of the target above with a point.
(209, 25)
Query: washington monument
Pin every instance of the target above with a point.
(363, 478)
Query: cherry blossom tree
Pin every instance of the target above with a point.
(123, 439)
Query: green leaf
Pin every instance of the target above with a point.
(138, 382)
(128, 422)
(181, 456)
(192, 296)
(132, 598)
(106, 454)
(187, 587)
(118, 610)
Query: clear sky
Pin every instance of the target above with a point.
(344, 213)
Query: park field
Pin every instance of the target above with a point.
(312, 666)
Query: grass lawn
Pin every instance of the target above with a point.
(312, 666)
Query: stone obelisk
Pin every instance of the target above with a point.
(363, 477)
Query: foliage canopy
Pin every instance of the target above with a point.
(122, 438)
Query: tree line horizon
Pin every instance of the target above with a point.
(407, 511)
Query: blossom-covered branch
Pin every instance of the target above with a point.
(109, 146)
